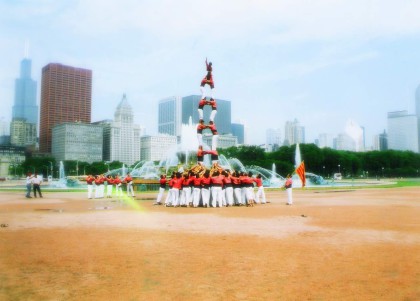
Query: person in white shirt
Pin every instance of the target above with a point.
(36, 182)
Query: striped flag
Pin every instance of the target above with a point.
(301, 173)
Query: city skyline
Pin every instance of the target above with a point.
(320, 63)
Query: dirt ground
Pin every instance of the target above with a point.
(330, 245)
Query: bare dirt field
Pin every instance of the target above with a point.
(330, 245)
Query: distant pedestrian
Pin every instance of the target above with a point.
(288, 186)
(29, 178)
(36, 182)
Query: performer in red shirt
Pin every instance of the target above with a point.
(213, 105)
(216, 189)
(162, 187)
(237, 188)
(170, 196)
(129, 181)
(227, 184)
(177, 186)
(200, 127)
(89, 182)
(260, 196)
(205, 188)
(109, 182)
(196, 181)
(97, 186)
(117, 184)
(213, 130)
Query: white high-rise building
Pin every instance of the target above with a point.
(403, 131)
(122, 136)
(294, 133)
(344, 142)
(273, 137)
(77, 141)
(156, 148)
(325, 140)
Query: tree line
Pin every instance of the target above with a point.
(321, 161)
(326, 161)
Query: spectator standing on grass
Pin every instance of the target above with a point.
(36, 182)
(288, 187)
(29, 178)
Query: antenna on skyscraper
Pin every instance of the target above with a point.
(26, 54)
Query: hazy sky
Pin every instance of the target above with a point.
(321, 62)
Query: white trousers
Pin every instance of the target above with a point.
(237, 192)
(229, 195)
(130, 190)
(196, 196)
(289, 196)
(118, 190)
(205, 193)
(109, 190)
(260, 197)
(216, 196)
(160, 194)
(90, 190)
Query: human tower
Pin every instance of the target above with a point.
(214, 187)
(207, 80)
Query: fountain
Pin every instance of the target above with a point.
(62, 181)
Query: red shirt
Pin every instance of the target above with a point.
(200, 128)
(258, 181)
(128, 179)
(197, 182)
(110, 181)
(162, 183)
(217, 180)
(177, 183)
(89, 180)
(117, 181)
(212, 128)
(205, 182)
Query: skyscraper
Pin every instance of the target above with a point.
(121, 136)
(23, 128)
(273, 138)
(66, 96)
(238, 130)
(403, 131)
(294, 133)
(25, 106)
(169, 119)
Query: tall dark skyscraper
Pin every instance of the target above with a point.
(23, 128)
(66, 96)
(25, 106)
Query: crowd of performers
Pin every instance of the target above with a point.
(101, 186)
(215, 187)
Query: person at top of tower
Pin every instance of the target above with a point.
(208, 79)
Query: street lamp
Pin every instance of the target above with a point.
(338, 168)
(323, 170)
(382, 172)
(51, 165)
(77, 168)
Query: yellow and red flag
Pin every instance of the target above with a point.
(300, 170)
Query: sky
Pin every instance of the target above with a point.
(320, 62)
